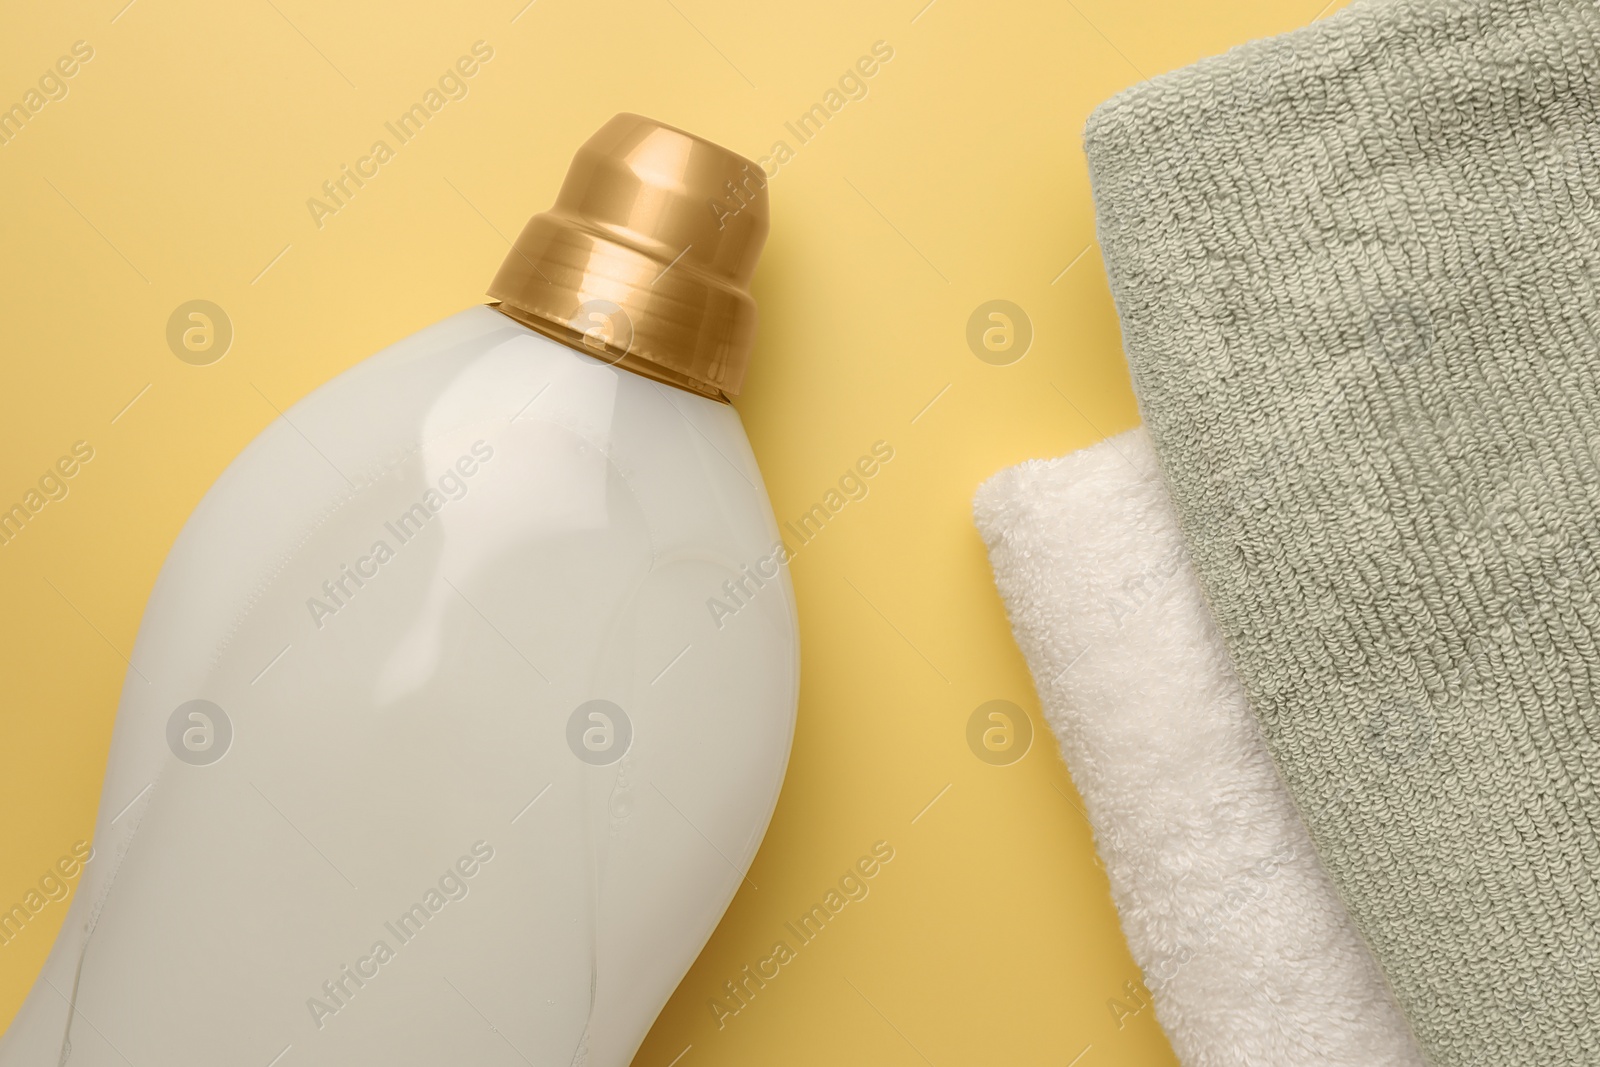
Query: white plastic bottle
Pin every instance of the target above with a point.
(463, 700)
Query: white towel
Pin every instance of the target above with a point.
(1250, 955)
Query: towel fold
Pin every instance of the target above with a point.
(1355, 267)
(1250, 955)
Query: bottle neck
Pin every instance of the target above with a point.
(578, 342)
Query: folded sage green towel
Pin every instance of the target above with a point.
(1355, 271)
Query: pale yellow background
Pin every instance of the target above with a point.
(179, 166)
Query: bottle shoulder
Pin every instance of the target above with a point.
(515, 442)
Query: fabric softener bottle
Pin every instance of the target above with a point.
(439, 743)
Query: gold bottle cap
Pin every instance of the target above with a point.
(646, 258)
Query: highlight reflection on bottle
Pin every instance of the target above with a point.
(427, 722)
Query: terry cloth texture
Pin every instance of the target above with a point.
(1250, 955)
(1355, 271)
